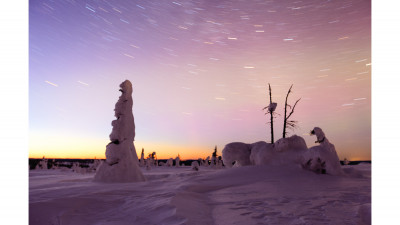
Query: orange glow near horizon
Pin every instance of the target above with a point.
(85, 148)
(55, 146)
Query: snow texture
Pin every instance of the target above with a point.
(248, 195)
(322, 158)
(121, 163)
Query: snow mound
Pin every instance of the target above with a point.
(121, 163)
(282, 152)
(237, 153)
(292, 150)
(261, 153)
(322, 158)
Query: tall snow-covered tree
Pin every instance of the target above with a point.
(121, 164)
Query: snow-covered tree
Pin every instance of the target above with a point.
(122, 164)
(195, 165)
(170, 162)
(214, 157)
(142, 160)
(177, 160)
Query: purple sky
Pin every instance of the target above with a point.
(200, 72)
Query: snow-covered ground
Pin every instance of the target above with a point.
(178, 195)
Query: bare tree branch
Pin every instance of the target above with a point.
(293, 109)
(291, 124)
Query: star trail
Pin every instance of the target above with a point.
(200, 72)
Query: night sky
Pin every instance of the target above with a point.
(200, 72)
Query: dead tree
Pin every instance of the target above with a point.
(290, 124)
(271, 110)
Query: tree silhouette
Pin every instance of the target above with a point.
(271, 110)
(215, 152)
(290, 124)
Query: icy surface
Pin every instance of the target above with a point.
(178, 195)
(121, 163)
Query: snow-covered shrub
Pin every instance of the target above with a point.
(282, 152)
(195, 165)
(42, 164)
(170, 162)
(261, 153)
(142, 161)
(236, 152)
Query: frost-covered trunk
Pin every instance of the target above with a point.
(121, 163)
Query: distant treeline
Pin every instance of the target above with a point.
(355, 162)
(84, 162)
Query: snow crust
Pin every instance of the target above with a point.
(121, 163)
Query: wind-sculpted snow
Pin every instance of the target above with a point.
(247, 195)
(121, 163)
